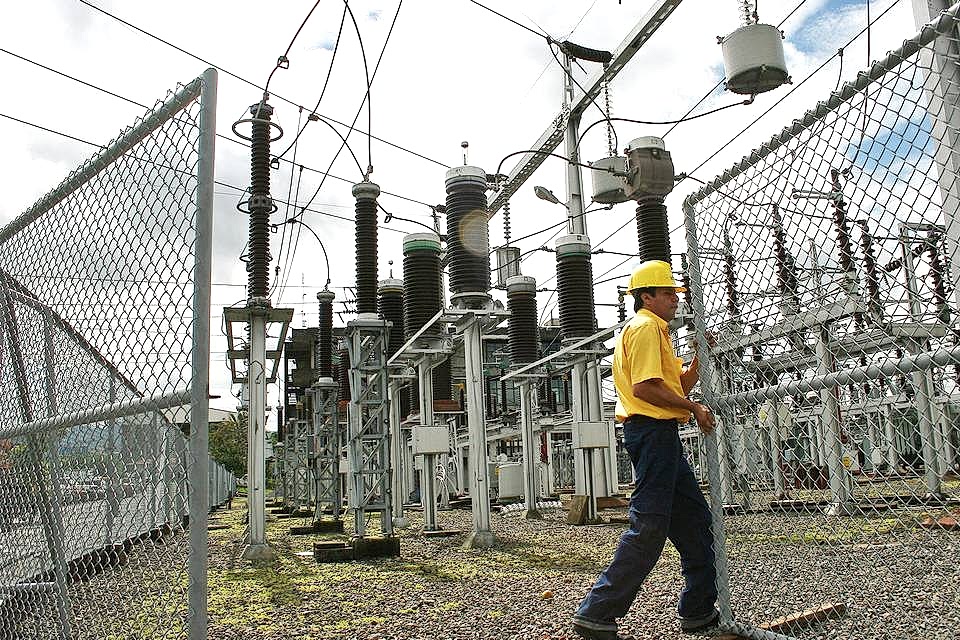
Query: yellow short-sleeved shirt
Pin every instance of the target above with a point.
(643, 352)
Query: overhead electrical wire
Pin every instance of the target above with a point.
(370, 78)
(511, 20)
(741, 103)
(366, 100)
(249, 82)
(323, 90)
(217, 182)
(219, 135)
(283, 62)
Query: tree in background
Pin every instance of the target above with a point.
(228, 443)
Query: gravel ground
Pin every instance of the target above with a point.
(897, 580)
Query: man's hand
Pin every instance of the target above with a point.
(711, 341)
(705, 418)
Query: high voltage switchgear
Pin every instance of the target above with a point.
(522, 327)
(366, 194)
(575, 287)
(390, 294)
(468, 240)
(422, 281)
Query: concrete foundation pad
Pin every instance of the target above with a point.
(385, 547)
(334, 551)
(259, 553)
(441, 533)
(324, 526)
(480, 540)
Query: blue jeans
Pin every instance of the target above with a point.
(666, 503)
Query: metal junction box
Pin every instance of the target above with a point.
(591, 435)
(430, 440)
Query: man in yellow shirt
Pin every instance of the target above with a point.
(667, 502)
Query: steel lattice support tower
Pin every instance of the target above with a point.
(368, 436)
(326, 455)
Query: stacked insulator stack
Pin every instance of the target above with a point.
(423, 292)
(840, 224)
(937, 277)
(325, 334)
(653, 230)
(522, 330)
(390, 308)
(442, 382)
(366, 246)
(575, 287)
(260, 205)
(730, 286)
(468, 240)
(786, 267)
(343, 376)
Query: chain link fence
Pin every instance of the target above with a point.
(825, 264)
(104, 328)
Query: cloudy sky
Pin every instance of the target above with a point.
(451, 72)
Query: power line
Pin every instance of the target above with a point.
(217, 182)
(219, 135)
(511, 20)
(366, 99)
(252, 84)
(284, 60)
(323, 90)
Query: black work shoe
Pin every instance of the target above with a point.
(701, 625)
(595, 630)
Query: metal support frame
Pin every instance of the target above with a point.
(469, 326)
(368, 438)
(531, 491)
(257, 547)
(840, 481)
(326, 455)
(397, 446)
(428, 484)
(924, 393)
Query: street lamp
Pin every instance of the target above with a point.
(545, 194)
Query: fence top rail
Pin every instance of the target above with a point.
(109, 154)
(930, 32)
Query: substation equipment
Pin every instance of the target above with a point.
(431, 400)
(257, 315)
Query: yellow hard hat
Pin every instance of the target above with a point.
(653, 273)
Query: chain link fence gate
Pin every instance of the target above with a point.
(104, 325)
(825, 263)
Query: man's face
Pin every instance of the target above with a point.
(662, 303)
